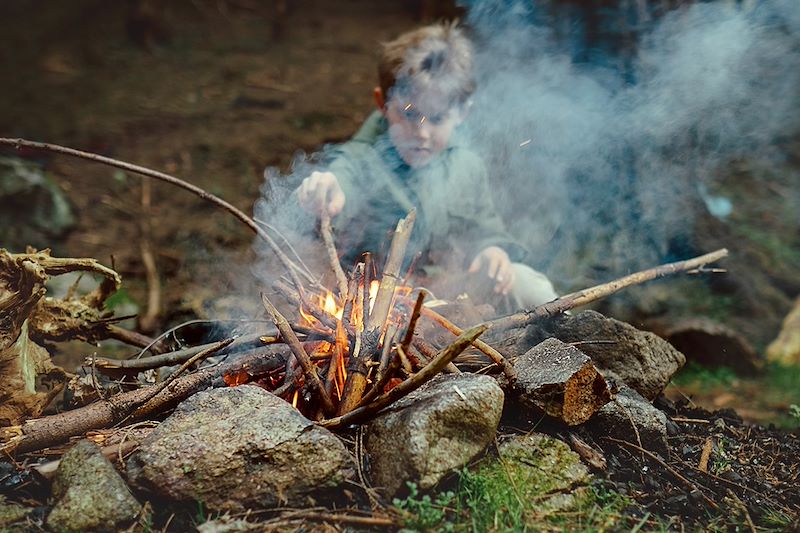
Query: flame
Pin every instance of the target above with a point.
(295, 397)
(373, 292)
(330, 306)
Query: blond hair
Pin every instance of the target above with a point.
(432, 57)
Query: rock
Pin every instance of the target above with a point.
(786, 348)
(435, 429)
(240, 448)
(628, 409)
(640, 359)
(543, 469)
(560, 380)
(90, 494)
(712, 344)
(33, 209)
(11, 513)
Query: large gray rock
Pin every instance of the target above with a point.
(640, 359)
(560, 380)
(433, 430)
(240, 448)
(631, 417)
(89, 493)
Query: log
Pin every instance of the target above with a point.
(56, 429)
(558, 379)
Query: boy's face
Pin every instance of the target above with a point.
(420, 127)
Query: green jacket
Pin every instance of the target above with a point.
(456, 218)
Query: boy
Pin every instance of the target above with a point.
(404, 157)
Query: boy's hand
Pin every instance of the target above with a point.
(320, 192)
(497, 265)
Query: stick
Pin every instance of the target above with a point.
(149, 320)
(134, 338)
(239, 214)
(412, 321)
(299, 352)
(55, 429)
(330, 247)
(391, 271)
(428, 352)
(493, 354)
(154, 391)
(170, 358)
(420, 378)
(577, 299)
(386, 368)
(357, 370)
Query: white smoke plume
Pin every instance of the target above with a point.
(603, 156)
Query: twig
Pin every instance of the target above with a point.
(493, 354)
(411, 384)
(205, 195)
(299, 352)
(706, 454)
(740, 504)
(412, 321)
(391, 271)
(330, 247)
(134, 338)
(171, 358)
(167, 382)
(691, 486)
(386, 368)
(149, 320)
(428, 352)
(375, 521)
(357, 369)
(577, 299)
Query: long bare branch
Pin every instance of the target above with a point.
(150, 173)
(577, 299)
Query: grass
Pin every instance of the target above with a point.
(523, 492)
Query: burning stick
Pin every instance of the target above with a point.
(330, 247)
(391, 272)
(417, 380)
(297, 349)
(313, 309)
(357, 370)
(576, 299)
(386, 367)
(493, 354)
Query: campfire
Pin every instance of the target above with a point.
(340, 356)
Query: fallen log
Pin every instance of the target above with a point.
(51, 430)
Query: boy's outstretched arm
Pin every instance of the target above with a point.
(321, 192)
(497, 265)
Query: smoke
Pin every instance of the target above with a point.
(603, 139)
(607, 147)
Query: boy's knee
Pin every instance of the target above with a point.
(531, 287)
